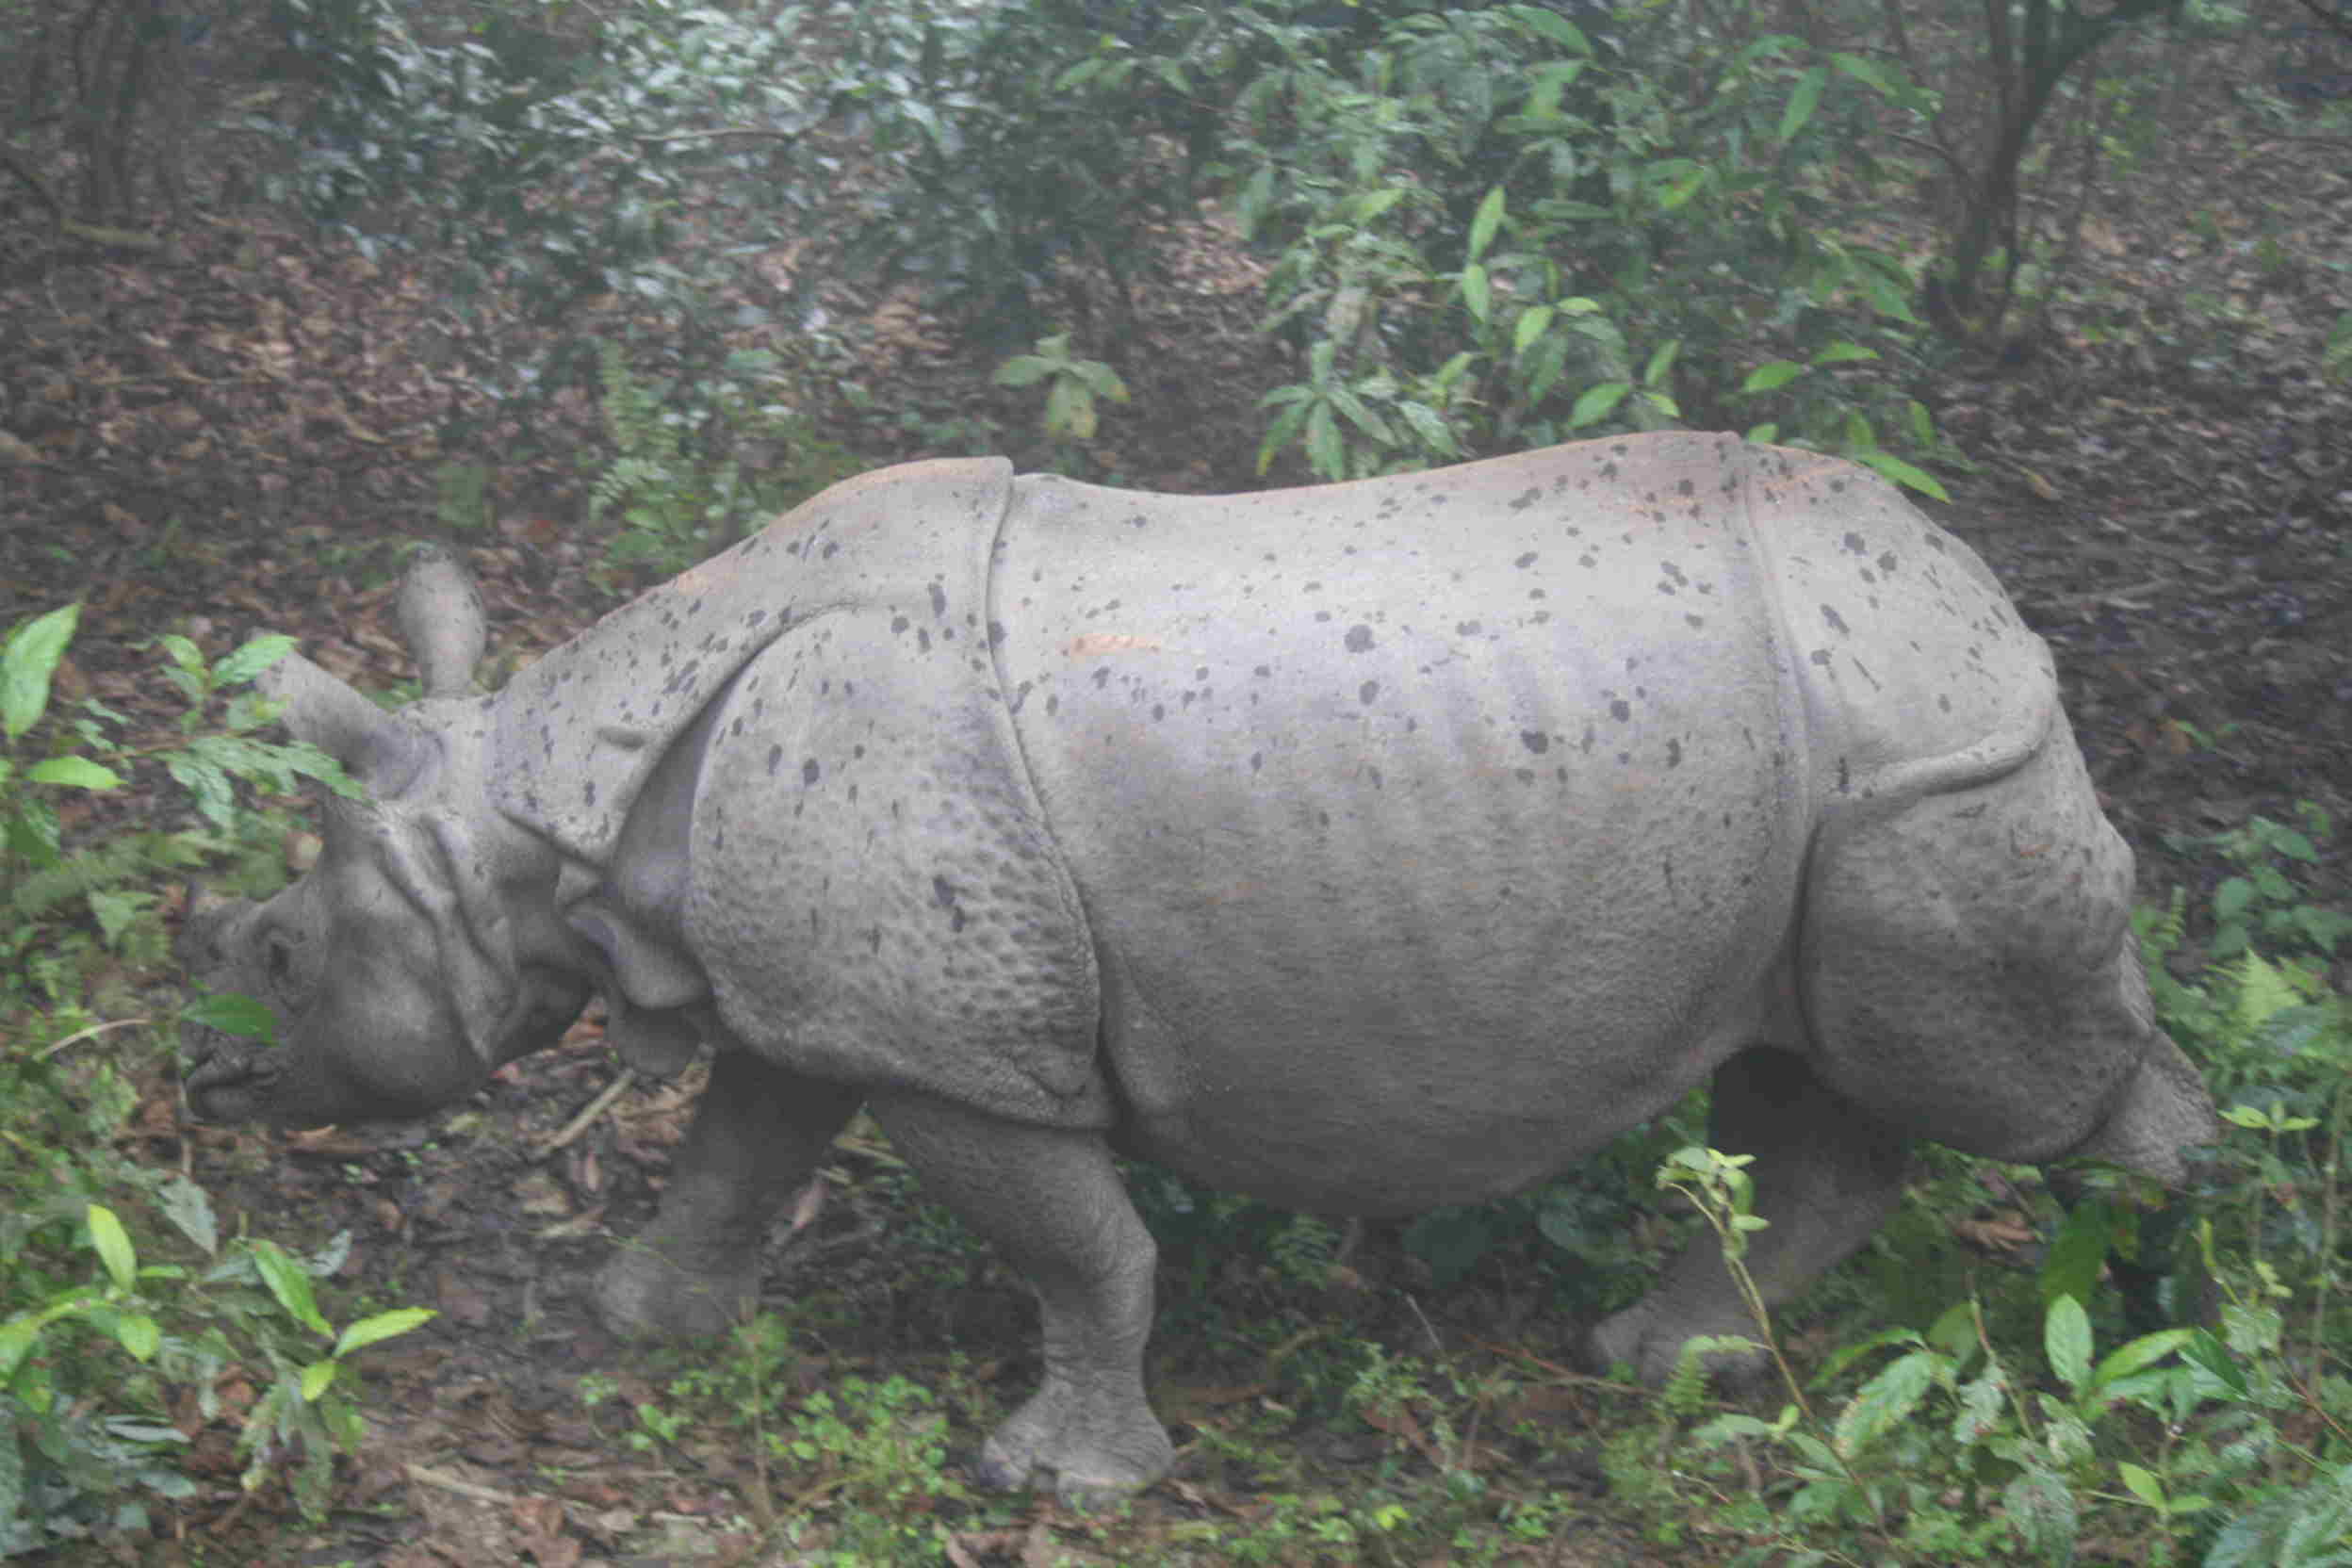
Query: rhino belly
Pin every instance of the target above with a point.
(1418, 861)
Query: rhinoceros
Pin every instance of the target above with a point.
(1363, 847)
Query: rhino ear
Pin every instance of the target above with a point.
(441, 616)
(381, 751)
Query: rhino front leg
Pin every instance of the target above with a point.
(1052, 1203)
(1827, 1175)
(757, 1135)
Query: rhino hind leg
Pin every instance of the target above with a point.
(757, 1135)
(1968, 975)
(1827, 1175)
(1051, 1202)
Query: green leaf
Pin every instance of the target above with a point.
(1841, 352)
(1326, 453)
(1474, 290)
(1022, 370)
(31, 657)
(233, 1014)
(76, 772)
(137, 1332)
(1902, 473)
(189, 1208)
(258, 655)
(1771, 377)
(382, 1326)
(1483, 225)
(1863, 68)
(1660, 362)
(114, 1245)
(1597, 403)
(1531, 326)
(1556, 27)
(2066, 1340)
(1887, 1401)
(2144, 1351)
(1372, 204)
(1803, 102)
(290, 1285)
(182, 653)
(316, 1377)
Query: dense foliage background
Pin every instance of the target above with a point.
(586, 290)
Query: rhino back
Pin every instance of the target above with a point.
(1431, 829)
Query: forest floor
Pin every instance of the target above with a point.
(225, 435)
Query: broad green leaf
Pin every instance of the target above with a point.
(2066, 1340)
(1660, 362)
(258, 655)
(2141, 1484)
(1841, 352)
(1326, 453)
(1022, 370)
(1431, 425)
(1772, 376)
(113, 1246)
(1803, 102)
(2144, 1351)
(1374, 203)
(289, 1284)
(1863, 68)
(189, 1207)
(234, 1013)
(1483, 225)
(1885, 1402)
(1531, 326)
(137, 1332)
(76, 772)
(182, 653)
(1555, 26)
(1474, 290)
(382, 1326)
(316, 1377)
(1904, 473)
(31, 657)
(1597, 403)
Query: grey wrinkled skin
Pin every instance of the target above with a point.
(1364, 848)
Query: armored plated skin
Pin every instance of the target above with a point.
(1365, 848)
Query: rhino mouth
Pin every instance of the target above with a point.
(229, 1082)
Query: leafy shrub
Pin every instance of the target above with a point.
(96, 1346)
(694, 471)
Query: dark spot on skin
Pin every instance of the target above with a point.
(1845, 777)
(1820, 656)
(1694, 622)
(874, 939)
(1368, 692)
(1673, 754)
(1535, 741)
(1524, 501)
(1853, 542)
(938, 599)
(1526, 560)
(1263, 671)
(1686, 488)
(1257, 760)
(922, 639)
(829, 548)
(1375, 774)
(1620, 711)
(1467, 629)
(588, 795)
(809, 772)
(1101, 677)
(1524, 775)
(898, 622)
(1159, 710)
(775, 760)
(1837, 622)
(1358, 639)
(1886, 562)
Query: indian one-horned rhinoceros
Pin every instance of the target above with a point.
(1364, 848)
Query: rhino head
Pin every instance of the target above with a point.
(422, 951)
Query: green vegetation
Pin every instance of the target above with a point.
(128, 1323)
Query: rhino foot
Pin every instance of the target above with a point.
(1096, 1450)
(1647, 1340)
(645, 1294)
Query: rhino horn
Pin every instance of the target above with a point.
(378, 749)
(441, 616)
